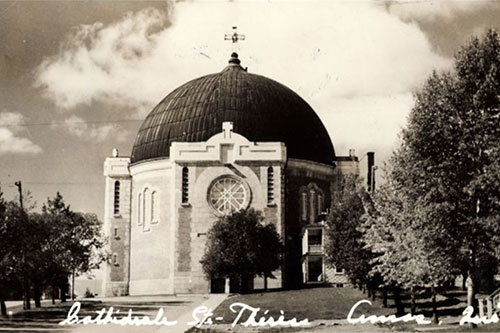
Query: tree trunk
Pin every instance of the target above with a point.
(37, 295)
(384, 297)
(26, 301)
(413, 304)
(62, 289)
(73, 286)
(369, 292)
(400, 309)
(265, 283)
(434, 306)
(464, 278)
(243, 284)
(3, 308)
(374, 294)
(470, 293)
(54, 291)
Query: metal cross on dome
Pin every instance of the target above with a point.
(234, 37)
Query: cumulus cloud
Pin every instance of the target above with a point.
(432, 10)
(98, 62)
(11, 126)
(343, 58)
(93, 132)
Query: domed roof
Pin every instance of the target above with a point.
(261, 109)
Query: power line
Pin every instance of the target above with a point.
(73, 122)
(55, 183)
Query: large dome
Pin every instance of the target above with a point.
(261, 109)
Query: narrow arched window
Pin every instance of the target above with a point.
(154, 207)
(303, 205)
(270, 185)
(146, 206)
(116, 200)
(185, 185)
(313, 204)
(139, 209)
(320, 203)
(115, 259)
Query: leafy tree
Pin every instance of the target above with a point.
(411, 252)
(454, 134)
(344, 246)
(441, 204)
(240, 246)
(73, 242)
(5, 258)
(40, 250)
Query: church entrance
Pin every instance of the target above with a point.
(217, 286)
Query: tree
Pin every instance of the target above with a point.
(344, 247)
(454, 134)
(410, 250)
(241, 246)
(73, 241)
(5, 259)
(442, 198)
(41, 250)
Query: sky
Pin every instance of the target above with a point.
(78, 77)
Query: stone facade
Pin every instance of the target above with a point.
(117, 225)
(169, 206)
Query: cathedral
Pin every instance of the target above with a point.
(220, 143)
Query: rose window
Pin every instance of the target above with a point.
(228, 194)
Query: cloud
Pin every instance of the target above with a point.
(343, 58)
(98, 62)
(98, 133)
(433, 10)
(11, 124)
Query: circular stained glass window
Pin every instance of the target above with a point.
(228, 194)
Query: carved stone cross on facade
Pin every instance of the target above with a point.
(227, 129)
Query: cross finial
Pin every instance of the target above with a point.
(234, 37)
(227, 128)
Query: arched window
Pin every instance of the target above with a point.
(154, 207)
(146, 206)
(270, 185)
(116, 199)
(313, 204)
(139, 209)
(115, 259)
(303, 205)
(185, 185)
(320, 203)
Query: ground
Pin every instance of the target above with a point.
(47, 318)
(326, 309)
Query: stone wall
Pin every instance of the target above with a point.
(116, 227)
(152, 241)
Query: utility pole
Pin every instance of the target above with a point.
(20, 188)
(26, 296)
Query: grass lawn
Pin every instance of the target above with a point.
(335, 303)
(312, 303)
